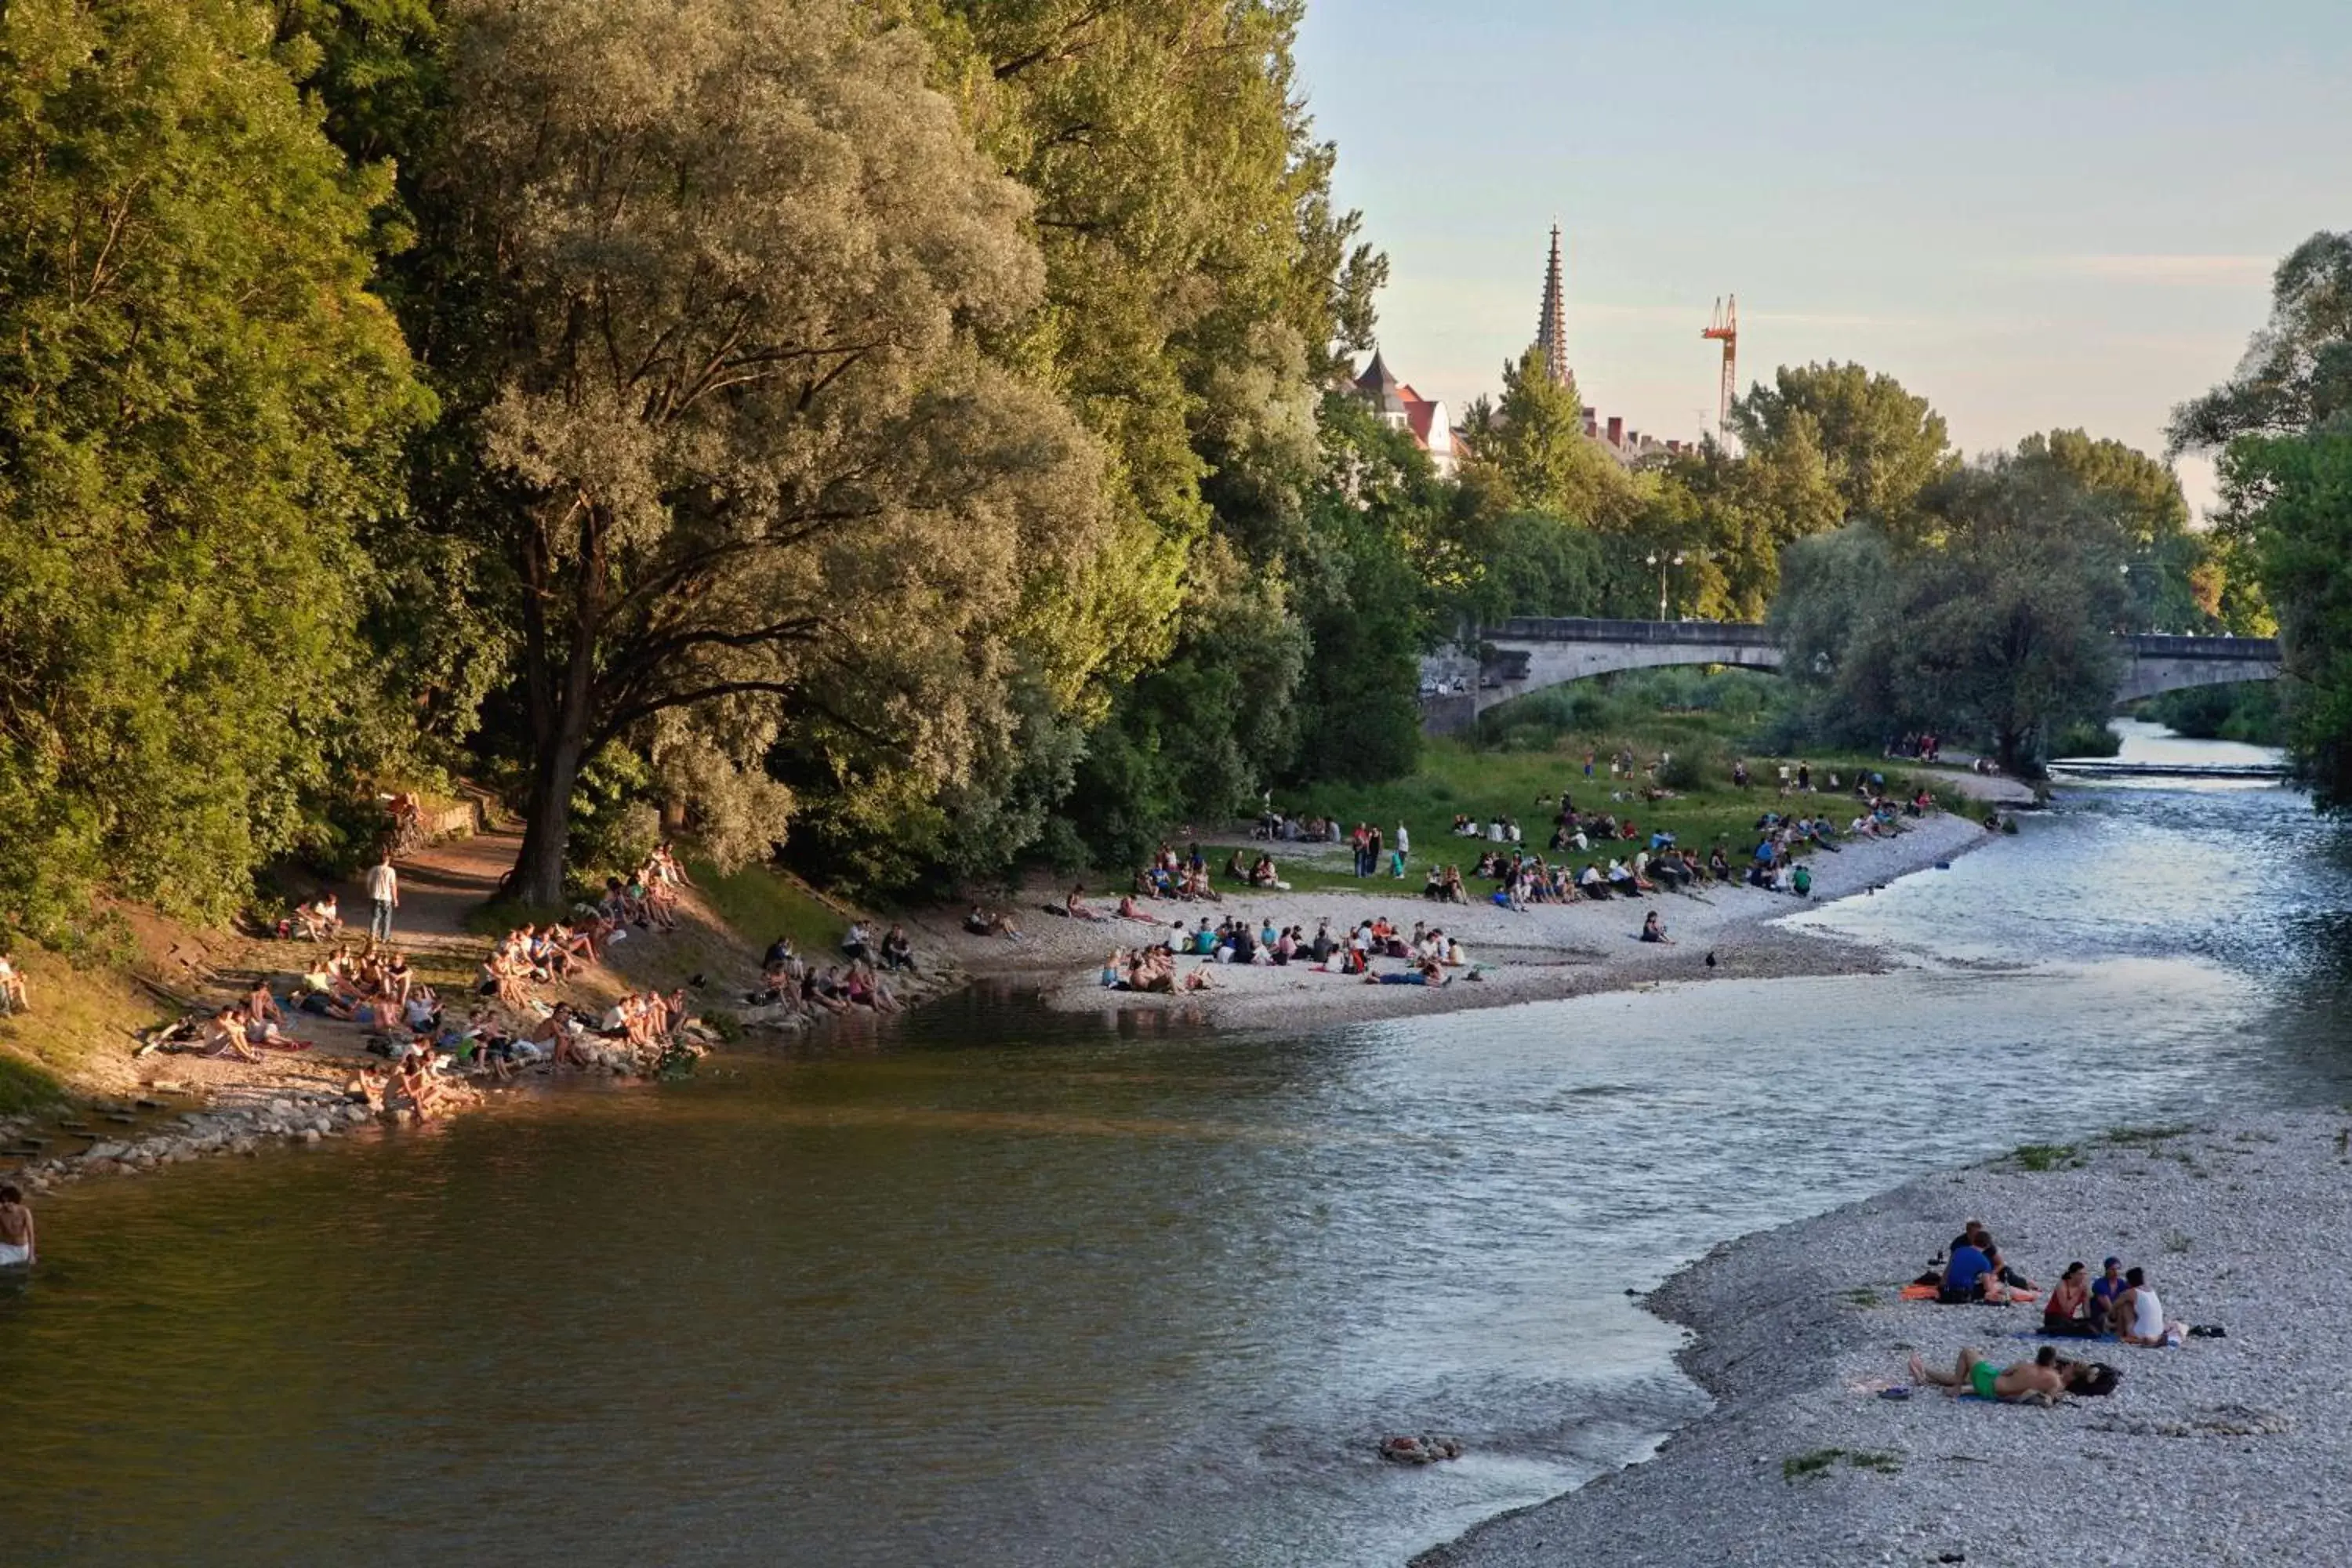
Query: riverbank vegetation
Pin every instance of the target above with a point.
(2282, 426)
(913, 442)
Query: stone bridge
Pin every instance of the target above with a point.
(1528, 654)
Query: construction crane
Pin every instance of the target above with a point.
(1724, 328)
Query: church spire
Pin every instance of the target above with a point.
(1551, 327)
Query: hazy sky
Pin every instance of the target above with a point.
(2061, 214)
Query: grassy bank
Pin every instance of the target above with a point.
(1528, 752)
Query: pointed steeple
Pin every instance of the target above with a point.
(1551, 326)
(1380, 386)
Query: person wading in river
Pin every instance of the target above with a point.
(19, 1247)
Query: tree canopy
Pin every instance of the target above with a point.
(200, 407)
(2283, 424)
(1993, 620)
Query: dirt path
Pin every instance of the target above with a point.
(440, 884)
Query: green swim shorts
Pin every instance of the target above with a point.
(1980, 1378)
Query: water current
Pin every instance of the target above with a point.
(999, 1287)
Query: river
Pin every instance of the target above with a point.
(998, 1287)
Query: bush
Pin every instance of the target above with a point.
(2086, 740)
(1696, 767)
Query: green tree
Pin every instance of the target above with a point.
(716, 274)
(2297, 372)
(2139, 499)
(199, 403)
(1991, 620)
(2295, 494)
(2284, 426)
(1879, 445)
(1367, 598)
(1528, 453)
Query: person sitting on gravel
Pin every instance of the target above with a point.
(2106, 1288)
(2037, 1382)
(2138, 1316)
(2067, 1313)
(897, 950)
(223, 1037)
(1075, 905)
(1652, 930)
(1969, 1275)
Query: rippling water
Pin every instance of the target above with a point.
(1001, 1288)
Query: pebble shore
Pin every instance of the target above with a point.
(146, 1134)
(1544, 953)
(2230, 1450)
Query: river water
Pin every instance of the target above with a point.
(997, 1287)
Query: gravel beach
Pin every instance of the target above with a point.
(1541, 954)
(2231, 1450)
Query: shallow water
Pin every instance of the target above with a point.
(1001, 1287)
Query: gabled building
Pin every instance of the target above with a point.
(1402, 408)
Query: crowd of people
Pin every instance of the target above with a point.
(2119, 1305)
(1425, 955)
(810, 991)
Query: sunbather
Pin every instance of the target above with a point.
(2037, 1382)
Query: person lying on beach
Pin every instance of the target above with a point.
(1425, 972)
(2037, 1382)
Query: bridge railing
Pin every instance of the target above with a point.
(1538, 628)
(1532, 628)
(2168, 644)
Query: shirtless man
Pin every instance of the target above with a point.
(18, 1249)
(2037, 1382)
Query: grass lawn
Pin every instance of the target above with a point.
(1453, 778)
(78, 1013)
(759, 904)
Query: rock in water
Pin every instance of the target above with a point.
(1422, 1450)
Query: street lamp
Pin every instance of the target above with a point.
(1662, 562)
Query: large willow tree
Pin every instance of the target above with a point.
(199, 403)
(720, 268)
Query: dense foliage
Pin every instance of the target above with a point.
(2285, 427)
(1986, 614)
(201, 406)
(914, 434)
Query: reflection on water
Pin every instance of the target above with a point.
(1095, 1297)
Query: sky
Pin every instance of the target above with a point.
(2057, 214)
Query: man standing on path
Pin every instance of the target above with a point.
(17, 1244)
(384, 896)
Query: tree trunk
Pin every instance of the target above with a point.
(559, 714)
(547, 825)
(2008, 742)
